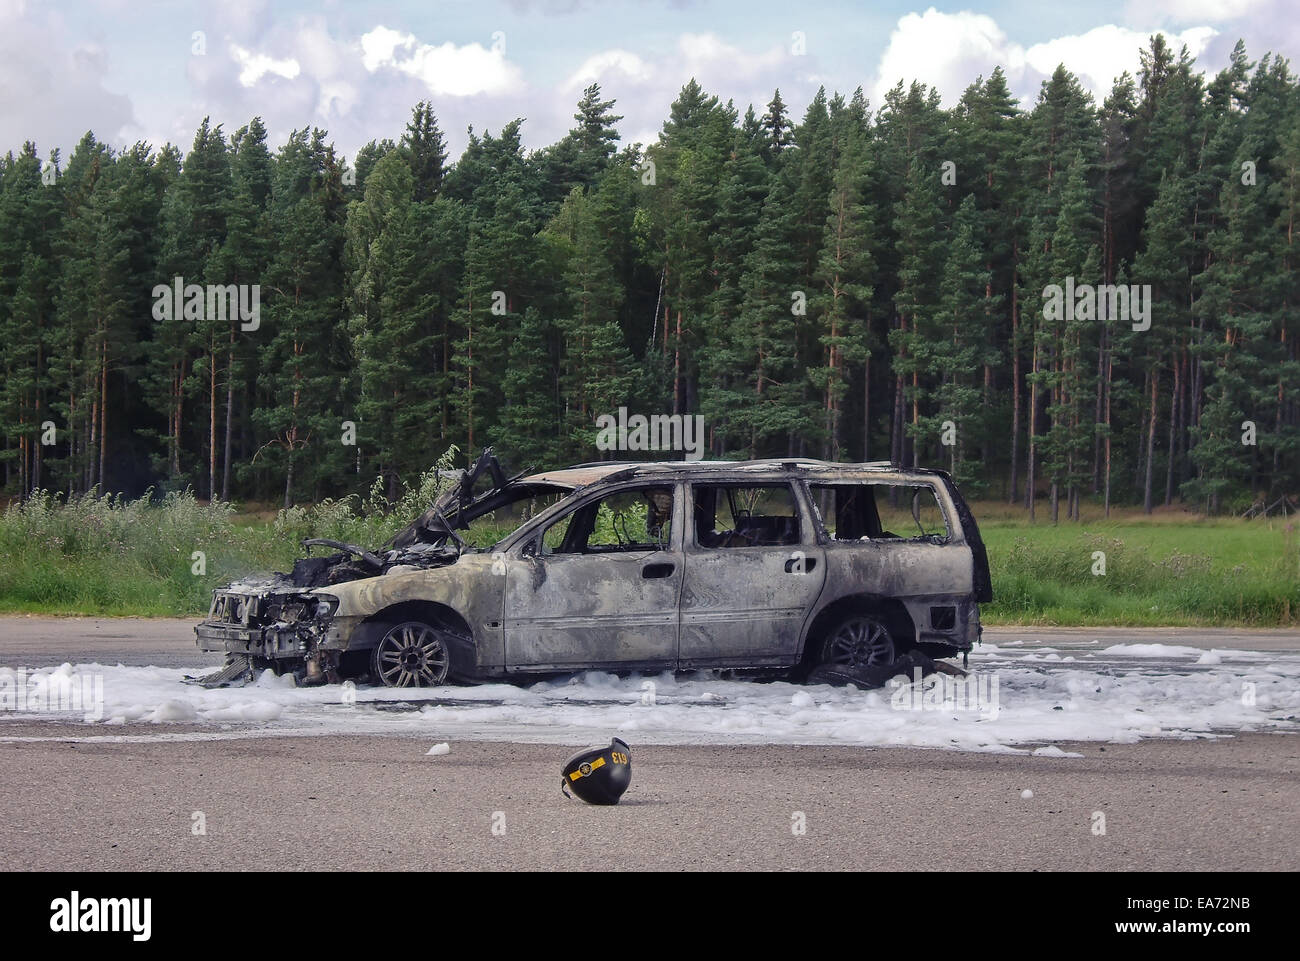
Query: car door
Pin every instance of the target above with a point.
(599, 586)
(753, 572)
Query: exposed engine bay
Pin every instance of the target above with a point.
(429, 541)
(277, 620)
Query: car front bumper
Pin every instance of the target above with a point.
(273, 626)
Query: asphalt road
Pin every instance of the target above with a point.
(380, 803)
(273, 803)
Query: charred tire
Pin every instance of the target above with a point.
(857, 641)
(415, 654)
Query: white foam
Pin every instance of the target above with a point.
(1160, 692)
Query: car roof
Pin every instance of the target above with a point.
(581, 475)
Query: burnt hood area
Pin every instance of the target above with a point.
(431, 540)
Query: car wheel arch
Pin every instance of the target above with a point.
(371, 631)
(890, 610)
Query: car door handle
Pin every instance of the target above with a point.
(658, 570)
(808, 564)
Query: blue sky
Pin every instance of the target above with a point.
(134, 70)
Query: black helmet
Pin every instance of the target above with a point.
(599, 775)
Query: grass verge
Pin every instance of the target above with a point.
(107, 556)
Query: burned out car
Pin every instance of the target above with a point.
(771, 566)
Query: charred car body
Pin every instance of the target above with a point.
(778, 566)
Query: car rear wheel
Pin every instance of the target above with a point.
(860, 640)
(414, 654)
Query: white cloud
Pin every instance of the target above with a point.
(445, 69)
(704, 51)
(337, 98)
(361, 82)
(949, 50)
(597, 68)
(1103, 53)
(380, 45)
(646, 84)
(255, 66)
(946, 51)
(52, 91)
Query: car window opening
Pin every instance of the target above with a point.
(629, 520)
(856, 512)
(745, 515)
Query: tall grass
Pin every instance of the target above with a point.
(107, 555)
(1206, 572)
(103, 554)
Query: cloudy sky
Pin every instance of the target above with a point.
(150, 70)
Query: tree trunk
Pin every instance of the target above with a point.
(677, 364)
(1015, 393)
(896, 419)
(1173, 433)
(1109, 364)
(230, 408)
(866, 409)
(1033, 429)
(916, 411)
(212, 422)
(103, 409)
(1151, 441)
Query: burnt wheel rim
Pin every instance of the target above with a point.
(860, 642)
(413, 655)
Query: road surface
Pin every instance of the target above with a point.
(136, 799)
(381, 803)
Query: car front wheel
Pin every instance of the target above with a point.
(414, 654)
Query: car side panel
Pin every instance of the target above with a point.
(918, 574)
(746, 606)
(614, 610)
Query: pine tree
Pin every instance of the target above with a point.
(242, 259)
(1285, 295)
(528, 429)
(776, 128)
(29, 214)
(74, 360)
(909, 134)
(1164, 264)
(1230, 300)
(426, 152)
(841, 302)
(597, 370)
(681, 204)
(367, 157)
(725, 364)
(963, 319)
(917, 223)
(987, 140)
(778, 410)
(298, 345)
(1064, 339)
(495, 290)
